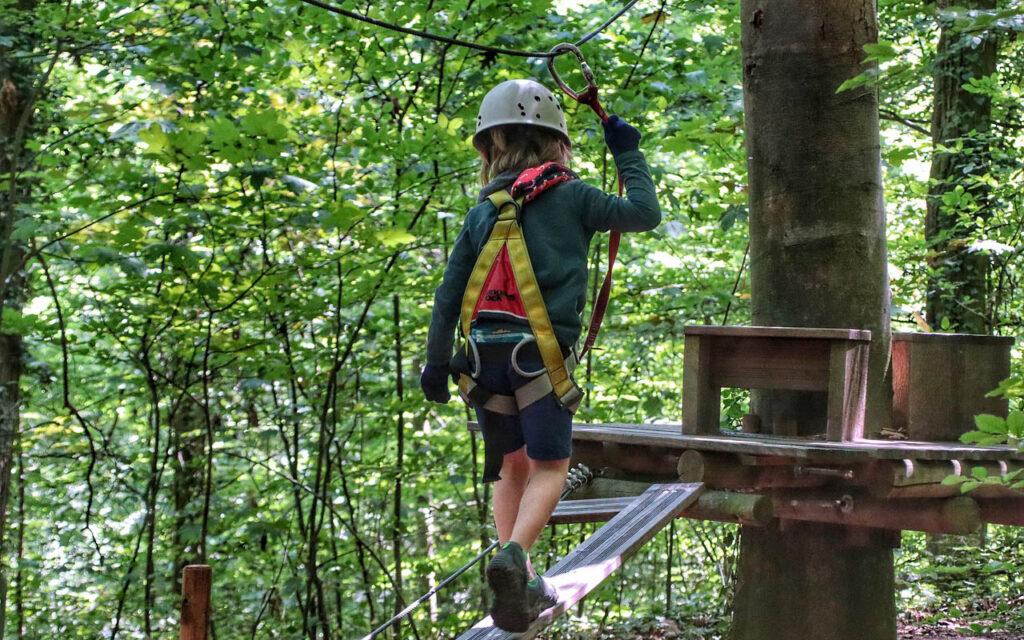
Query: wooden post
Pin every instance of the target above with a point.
(195, 601)
(701, 397)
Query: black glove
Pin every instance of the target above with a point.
(619, 136)
(434, 382)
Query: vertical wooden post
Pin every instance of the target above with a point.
(195, 601)
(702, 398)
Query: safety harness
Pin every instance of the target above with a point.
(503, 286)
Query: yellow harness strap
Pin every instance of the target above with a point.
(509, 234)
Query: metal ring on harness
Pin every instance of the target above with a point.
(471, 348)
(590, 92)
(515, 359)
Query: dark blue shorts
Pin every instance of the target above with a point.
(544, 427)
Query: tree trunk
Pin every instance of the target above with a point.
(817, 223)
(958, 291)
(18, 93)
(818, 259)
(187, 426)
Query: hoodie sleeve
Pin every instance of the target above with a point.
(448, 299)
(638, 211)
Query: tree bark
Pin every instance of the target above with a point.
(187, 484)
(818, 259)
(817, 222)
(958, 292)
(20, 86)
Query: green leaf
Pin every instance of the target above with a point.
(25, 228)
(154, 138)
(394, 237)
(880, 51)
(969, 486)
(951, 480)
(979, 472)
(868, 78)
(1015, 424)
(989, 423)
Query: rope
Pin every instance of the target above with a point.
(464, 43)
(577, 478)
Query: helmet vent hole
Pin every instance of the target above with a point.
(520, 105)
(522, 113)
(558, 106)
(537, 115)
(551, 99)
(537, 98)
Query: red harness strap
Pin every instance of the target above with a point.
(589, 97)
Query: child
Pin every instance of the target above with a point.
(523, 145)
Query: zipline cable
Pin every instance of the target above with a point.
(464, 43)
(577, 477)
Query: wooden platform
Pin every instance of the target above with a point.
(601, 554)
(670, 438)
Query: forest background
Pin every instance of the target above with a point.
(222, 225)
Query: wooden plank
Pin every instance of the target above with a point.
(601, 554)
(960, 338)
(195, 601)
(769, 363)
(701, 398)
(668, 437)
(779, 332)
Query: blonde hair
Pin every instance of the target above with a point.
(517, 147)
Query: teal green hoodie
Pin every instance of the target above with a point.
(557, 225)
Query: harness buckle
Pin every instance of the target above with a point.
(589, 94)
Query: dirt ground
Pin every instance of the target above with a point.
(950, 630)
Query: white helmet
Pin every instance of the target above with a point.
(520, 102)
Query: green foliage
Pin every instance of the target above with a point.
(243, 210)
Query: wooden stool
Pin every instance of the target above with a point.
(797, 359)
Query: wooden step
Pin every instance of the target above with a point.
(601, 554)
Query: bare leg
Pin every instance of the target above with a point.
(547, 477)
(508, 492)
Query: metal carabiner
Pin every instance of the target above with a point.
(590, 93)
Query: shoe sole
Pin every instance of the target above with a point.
(508, 581)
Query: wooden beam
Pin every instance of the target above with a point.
(1009, 512)
(721, 506)
(960, 515)
(923, 479)
(195, 601)
(723, 471)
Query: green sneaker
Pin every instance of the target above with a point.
(507, 575)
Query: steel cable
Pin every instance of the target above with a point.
(464, 43)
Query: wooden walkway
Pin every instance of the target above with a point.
(670, 437)
(601, 554)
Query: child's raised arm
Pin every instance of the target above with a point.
(639, 210)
